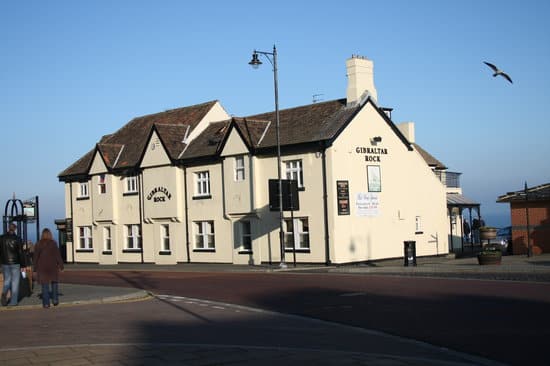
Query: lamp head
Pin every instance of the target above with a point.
(255, 62)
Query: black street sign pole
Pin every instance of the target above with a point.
(529, 247)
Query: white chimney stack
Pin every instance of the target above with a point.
(360, 72)
(407, 129)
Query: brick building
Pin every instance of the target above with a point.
(530, 210)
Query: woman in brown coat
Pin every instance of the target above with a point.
(47, 264)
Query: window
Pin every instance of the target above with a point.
(107, 239)
(83, 193)
(85, 237)
(297, 230)
(133, 237)
(165, 238)
(203, 183)
(204, 235)
(294, 171)
(418, 224)
(239, 168)
(246, 236)
(101, 186)
(131, 184)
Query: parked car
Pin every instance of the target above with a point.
(504, 238)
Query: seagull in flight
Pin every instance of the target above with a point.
(498, 72)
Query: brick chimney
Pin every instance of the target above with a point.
(360, 72)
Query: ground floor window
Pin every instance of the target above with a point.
(165, 238)
(85, 237)
(245, 236)
(204, 235)
(297, 230)
(133, 237)
(107, 239)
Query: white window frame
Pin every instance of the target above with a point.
(418, 224)
(133, 237)
(131, 184)
(301, 236)
(102, 184)
(204, 235)
(85, 241)
(245, 233)
(239, 169)
(107, 239)
(202, 186)
(84, 191)
(294, 170)
(165, 238)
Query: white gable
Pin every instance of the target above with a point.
(98, 166)
(155, 155)
(216, 114)
(234, 145)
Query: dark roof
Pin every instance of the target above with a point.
(124, 149)
(430, 160)
(134, 135)
(309, 123)
(537, 193)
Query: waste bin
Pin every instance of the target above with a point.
(409, 249)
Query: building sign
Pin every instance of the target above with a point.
(372, 154)
(69, 229)
(159, 194)
(342, 192)
(373, 178)
(29, 208)
(367, 204)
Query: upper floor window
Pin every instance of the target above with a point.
(85, 237)
(133, 237)
(204, 235)
(83, 192)
(296, 233)
(101, 184)
(239, 168)
(202, 180)
(294, 171)
(165, 238)
(131, 184)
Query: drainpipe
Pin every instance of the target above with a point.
(72, 219)
(140, 178)
(325, 207)
(186, 214)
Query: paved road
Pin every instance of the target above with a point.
(500, 320)
(177, 330)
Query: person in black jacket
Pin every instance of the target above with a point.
(13, 263)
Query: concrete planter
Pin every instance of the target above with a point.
(487, 233)
(488, 258)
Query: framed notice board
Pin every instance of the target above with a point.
(342, 194)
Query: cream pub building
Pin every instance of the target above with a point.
(191, 185)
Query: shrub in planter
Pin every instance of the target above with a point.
(490, 254)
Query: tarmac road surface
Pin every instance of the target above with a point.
(500, 320)
(170, 329)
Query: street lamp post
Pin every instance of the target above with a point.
(255, 63)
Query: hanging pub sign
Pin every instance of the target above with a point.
(342, 193)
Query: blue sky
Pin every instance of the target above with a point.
(72, 71)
